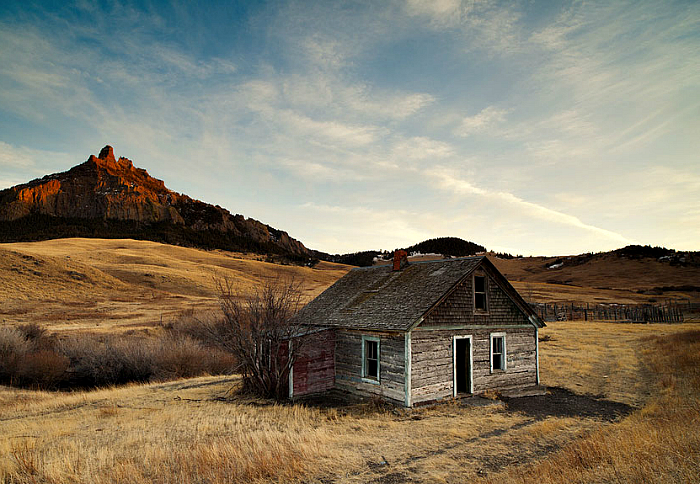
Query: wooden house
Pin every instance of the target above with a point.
(418, 332)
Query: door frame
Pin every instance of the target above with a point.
(454, 363)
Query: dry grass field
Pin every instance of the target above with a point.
(190, 431)
(604, 279)
(624, 404)
(107, 286)
(102, 285)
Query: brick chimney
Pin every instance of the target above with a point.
(400, 259)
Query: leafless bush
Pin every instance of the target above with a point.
(256, 328)
(183, 357)
(115, 360)
(99, 361)
(30, 356)
(42, 369)
(13, 347)
(193, 326)
(33, 332)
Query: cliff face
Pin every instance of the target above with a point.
(110, 189)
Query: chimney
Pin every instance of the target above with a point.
(400, 259)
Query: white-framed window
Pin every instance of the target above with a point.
(480, 296)
(370, 358)
(498, 352)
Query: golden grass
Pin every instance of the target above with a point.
(112, 285)
(658, 444)
(623, 277)
(179, 432)
(601, 359)
(182, 432)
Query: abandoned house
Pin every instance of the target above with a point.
(418, 332)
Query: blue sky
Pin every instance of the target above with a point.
(527, 127)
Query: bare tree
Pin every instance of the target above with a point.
(259, 329)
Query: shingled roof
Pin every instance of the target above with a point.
(380, 298)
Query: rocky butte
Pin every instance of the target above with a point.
(123, 196)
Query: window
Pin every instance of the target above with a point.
(480, 293)
(498, 352)
(370, 358)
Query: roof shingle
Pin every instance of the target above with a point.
(379, 298)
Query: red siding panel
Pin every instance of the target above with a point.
(314, 369)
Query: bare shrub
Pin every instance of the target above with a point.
(43, 369)
(134, 359)
(256, 328)
(113, 360)
(183, 357)
(195, 327)
(13, 348)
(108, 360)
(33, 332)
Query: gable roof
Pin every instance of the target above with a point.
(378, 298)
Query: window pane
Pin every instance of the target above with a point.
(480, 301)
(479, 284)
(497, 355)
(372, 368)
(498, 345)
(371, 350)
(371, 363)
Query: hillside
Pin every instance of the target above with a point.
(623, 276)
(106, 285)
(110, 198)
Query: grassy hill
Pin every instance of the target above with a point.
(607, 277)
(103, 285)
(106, 285)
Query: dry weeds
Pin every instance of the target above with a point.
(658, 444)
(182, 432)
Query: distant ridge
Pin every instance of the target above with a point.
(111, 198)
(446, 246)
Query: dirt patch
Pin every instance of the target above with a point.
(560, 402)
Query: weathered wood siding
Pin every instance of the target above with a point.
(432, 367)
(348, 365)
(458, 308)
(314, 369)
(521, 364)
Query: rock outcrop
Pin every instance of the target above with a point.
(112, 189)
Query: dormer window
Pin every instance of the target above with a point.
(480, 300)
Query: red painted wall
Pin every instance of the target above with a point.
(314, 369)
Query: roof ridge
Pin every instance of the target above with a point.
(435, 261)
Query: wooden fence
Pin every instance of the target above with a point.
(642, 313)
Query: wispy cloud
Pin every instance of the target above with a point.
(18, 164)
(447, 180)
(374, 106)
(486, 119)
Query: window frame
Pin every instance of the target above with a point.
(365, 359)
(504, 354)
(485, 293)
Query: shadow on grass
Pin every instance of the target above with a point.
(560, 402)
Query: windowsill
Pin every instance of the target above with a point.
(481, 312)
(373, 381)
